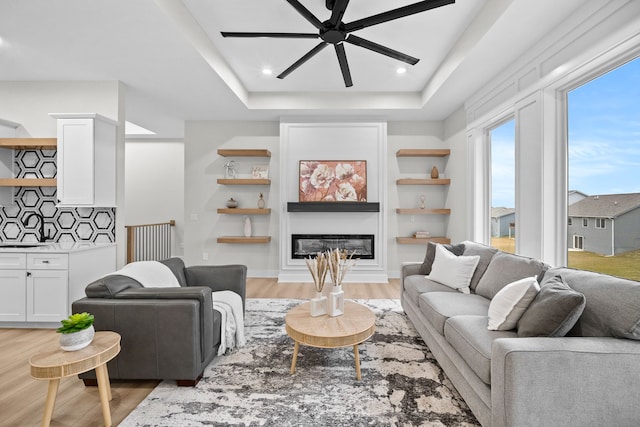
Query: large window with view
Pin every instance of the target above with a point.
(503, 186)
(603, 232)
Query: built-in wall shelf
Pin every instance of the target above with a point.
(244, 211)
(416, 211)
(333, 207)
(29, 143)
(244, 152)
(244, 181)
(422, 240)
(244, 240)
(416, 152)
(423, 181)
(28, 182)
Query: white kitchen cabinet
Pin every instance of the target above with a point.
(47, 291)
(13, 272)
(86, 160)
(37, 288)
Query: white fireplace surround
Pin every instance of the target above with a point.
(353, 140)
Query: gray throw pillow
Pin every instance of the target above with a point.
(505, 268)
(425, 268)
(553, 312)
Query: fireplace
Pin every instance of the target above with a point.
(308, 245)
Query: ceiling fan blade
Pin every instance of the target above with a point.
(344, 65)
(276, 35)
(306, 14)
(358, 41)
(395, 14)
(302, 60)
(338, 11)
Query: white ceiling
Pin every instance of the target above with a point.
(177, 66)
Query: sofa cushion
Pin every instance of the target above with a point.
(613, 303)
(469, 336)
(510, 303)
(109, 286)
(430, 256)
(505, 268)
(485, 253)
(419, 284)
(553, 312)
(453, 271)
(439, 306)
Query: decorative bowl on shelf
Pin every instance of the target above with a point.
(232, 203)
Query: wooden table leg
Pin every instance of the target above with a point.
(104, 388)
(50, 402)
(357, 357)
(296, 347)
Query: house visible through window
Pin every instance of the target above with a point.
(603, 174)
(503, 187)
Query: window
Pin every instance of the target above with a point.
(603, 154)
(569, 222)
(503, 186)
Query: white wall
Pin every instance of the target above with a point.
(203, 195)
(154, 186)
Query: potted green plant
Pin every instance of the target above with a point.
(76, 331)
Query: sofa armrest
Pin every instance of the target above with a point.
(219, 278)
(570, 381)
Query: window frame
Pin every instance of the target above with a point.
(604, 223)
(585, 222)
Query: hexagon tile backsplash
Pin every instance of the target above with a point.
(61, 224)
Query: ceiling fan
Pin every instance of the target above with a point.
(335, 32)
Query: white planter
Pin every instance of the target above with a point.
(77, 340)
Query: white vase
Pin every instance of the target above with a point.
(336, 301)
(77, 340)
(247, 226)
(318, 305)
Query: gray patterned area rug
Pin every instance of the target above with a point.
(402, 384)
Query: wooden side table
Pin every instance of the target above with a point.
(54, 363)
(355, 326)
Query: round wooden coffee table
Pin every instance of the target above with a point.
(353, 327)
(53, 363)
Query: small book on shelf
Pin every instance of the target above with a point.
(421, 234)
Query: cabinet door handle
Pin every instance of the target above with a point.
(45, 261)
(28, 274)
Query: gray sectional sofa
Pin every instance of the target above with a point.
(588, 377)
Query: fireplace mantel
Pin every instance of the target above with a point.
(333, 207)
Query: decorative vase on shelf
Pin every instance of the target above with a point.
(261, 202)
(232, 203)
(247, 226)
(434, 173)
(336, 301)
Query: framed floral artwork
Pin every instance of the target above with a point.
(332, 181)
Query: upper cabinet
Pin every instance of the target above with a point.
(86, 160)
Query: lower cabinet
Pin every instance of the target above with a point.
(38, 288)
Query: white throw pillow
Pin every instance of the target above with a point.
(510, 303)
(453, 271)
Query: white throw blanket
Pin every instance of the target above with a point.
(154, 274)
(229, 304)
(150, 274)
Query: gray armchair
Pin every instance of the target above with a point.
(167, 333)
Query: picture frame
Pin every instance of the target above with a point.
(332, 181)
(260, 172)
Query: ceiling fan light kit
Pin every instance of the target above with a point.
(334, 31)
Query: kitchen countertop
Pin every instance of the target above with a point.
(50, 247)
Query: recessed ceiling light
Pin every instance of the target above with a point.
(401, 70)
(267, 71)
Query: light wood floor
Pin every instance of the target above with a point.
(22, 397)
